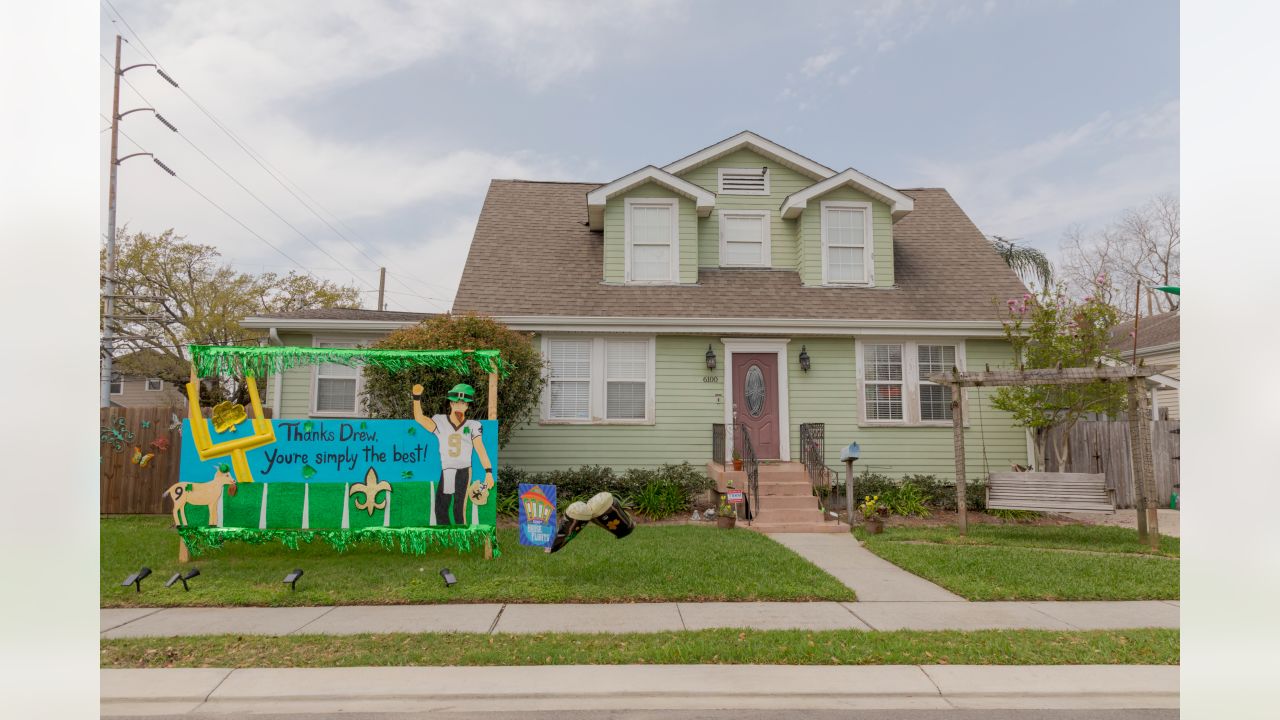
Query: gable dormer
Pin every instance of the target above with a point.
(649, 219)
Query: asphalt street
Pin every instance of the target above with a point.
(807, 713)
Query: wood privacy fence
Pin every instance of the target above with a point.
(128, 487)
(1102, 446)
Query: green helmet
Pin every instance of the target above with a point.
(462, 392)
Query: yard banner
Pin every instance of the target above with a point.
(537, 515)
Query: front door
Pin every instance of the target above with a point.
(755, 402)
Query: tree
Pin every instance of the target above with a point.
(389, 394)
(1026, 261)
(1050, 331)
(195, 298)
(1139, 251)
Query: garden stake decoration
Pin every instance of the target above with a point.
(297, 481)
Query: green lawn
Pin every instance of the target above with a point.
(725, 646)
(1023, 562)
(655, 563)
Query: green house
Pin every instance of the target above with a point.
(741, 289)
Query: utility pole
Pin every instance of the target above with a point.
(382, 286)
(108, 319)
(109, 280)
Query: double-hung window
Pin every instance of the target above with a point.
(744, 238)
(652, 241)
(117, 385)
(599, 380)
(894, 381)
(337, 387)
(154, 384)
(846, 243)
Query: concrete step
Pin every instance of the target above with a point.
(785, 488)
(787, 502)
(769, 515)
(801, 527)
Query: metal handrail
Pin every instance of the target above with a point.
(750, 465)
(821, 476)
(717, 443)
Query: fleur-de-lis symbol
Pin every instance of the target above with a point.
(370, 489)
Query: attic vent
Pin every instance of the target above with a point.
(744, 181)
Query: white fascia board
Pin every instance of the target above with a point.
(1165, 381)
(748, 139)
(899, 203)
(704, 200)
(266, 323)
(763, 326)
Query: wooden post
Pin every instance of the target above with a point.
(184, 555)
(1147, 475)
(493, 396)
(957, 424)
(488, 549)
(1135, 457)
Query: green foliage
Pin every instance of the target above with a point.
(1015, 514)
(389, 394)
(931, 491)
(1023, 259)
(508, 505)
(656, 494)
(1052, 330)
(907, 499)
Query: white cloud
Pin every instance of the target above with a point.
(1078, 175)
(817, 63)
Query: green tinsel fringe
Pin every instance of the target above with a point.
(259, 361)
(416, 540)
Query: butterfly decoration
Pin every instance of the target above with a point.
(139, 459)
(161, 444)
(146, 424)
(175, 423)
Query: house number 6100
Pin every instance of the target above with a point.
(711, 378)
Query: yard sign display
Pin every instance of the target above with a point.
(537, 514)
(427, 481)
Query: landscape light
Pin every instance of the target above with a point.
(292, 578)
(449, 579)
(184, 577)
(136, 579)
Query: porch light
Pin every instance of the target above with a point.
(804, 358)
(711, 358)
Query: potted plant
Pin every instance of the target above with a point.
(872, 512)
(737, 460)
(726, 514)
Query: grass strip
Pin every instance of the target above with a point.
(723, 646)
(655, 563)
(1020, 573)
(1092, 538)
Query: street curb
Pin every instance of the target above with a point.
(653, 687)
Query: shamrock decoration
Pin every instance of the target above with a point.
(466, 431)
(307, 426)
(308, 472)
(406, 475)
(413, 431)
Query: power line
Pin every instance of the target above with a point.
(259, 159)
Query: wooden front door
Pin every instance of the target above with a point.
(755, 402)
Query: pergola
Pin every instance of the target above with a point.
(1139, 427)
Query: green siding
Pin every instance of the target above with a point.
(615, 237)
(810, 232)
(295, 397)
(783, 181)
(686, 407)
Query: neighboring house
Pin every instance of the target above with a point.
(1159, 346)
(745, 251)
(148, 378)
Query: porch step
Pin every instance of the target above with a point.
(797, 515)
(787, 502)
(773, 487)
(794, 527)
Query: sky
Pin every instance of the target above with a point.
(337, 137)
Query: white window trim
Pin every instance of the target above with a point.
(147, 385)
(759, 345)
(767, 253)
(599, 382)
(741, 171)
(868, 264)
(910, 380)
(120, 381)
(360, 410)
(674, 277)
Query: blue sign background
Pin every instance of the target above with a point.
(535, 532)
(339, 451)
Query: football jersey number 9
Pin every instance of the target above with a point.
(455, 445)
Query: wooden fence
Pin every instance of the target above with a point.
(125, 486)
(1102, 446)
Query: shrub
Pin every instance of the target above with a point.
(907, 498)
(655, 494)
(660, 499)
(934, 493)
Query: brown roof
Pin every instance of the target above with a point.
(347, 314)
(533, 255)
(1153, 331)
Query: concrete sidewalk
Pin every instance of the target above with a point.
(873, 578)
(637, 617)
(683, 687)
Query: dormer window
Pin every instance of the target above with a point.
(846, 243)
(744, 181)
(652, 241)
(744, 238)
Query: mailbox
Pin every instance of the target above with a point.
(851, 452)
